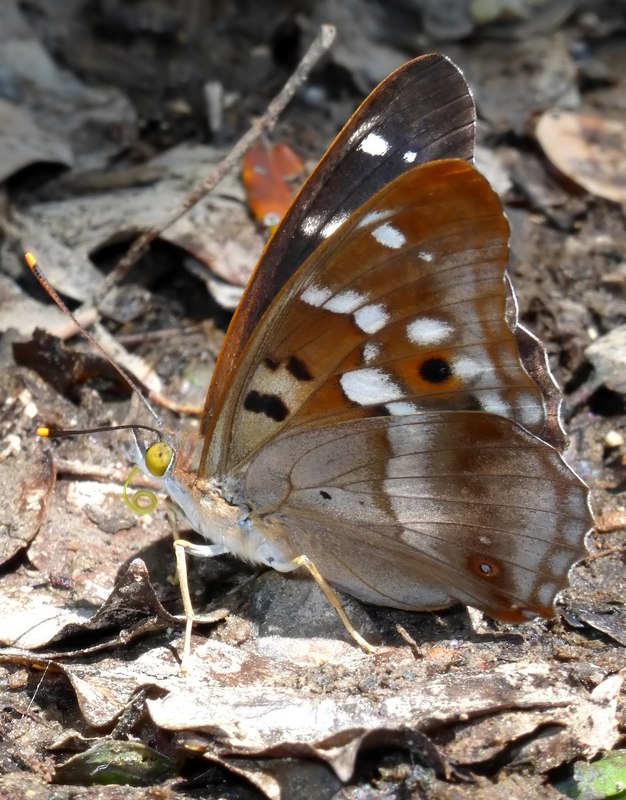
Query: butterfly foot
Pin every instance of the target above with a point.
(333, 599)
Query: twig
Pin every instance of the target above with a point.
(320, 45)
(406, 636)
(590, 557)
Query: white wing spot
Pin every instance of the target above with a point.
(426, 330)
(401, 408)
(315, 295)
(375, 216)
(371, 318)
(345, 302)
(370, 387)
(310, 225)
(374, 145)
(560, 562)
(494, 404)
(371, 350)
(389, 236)
(530, 410)
(428, 257)
(332, 225)
(468, 368)
(409, 156)
(546, 593)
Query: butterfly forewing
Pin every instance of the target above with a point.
(422, 112)
(426, 510)
(399, 311)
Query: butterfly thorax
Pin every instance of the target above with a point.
(213, 510)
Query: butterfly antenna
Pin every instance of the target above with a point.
(34, 267)
(50, 432)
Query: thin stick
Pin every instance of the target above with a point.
(320, 45)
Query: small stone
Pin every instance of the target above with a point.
(613, 439)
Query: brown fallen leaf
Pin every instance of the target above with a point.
(26, 486)
(611, 520)
(586, 149)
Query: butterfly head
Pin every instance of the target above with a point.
(161, 459)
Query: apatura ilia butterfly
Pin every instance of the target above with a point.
(377, 412)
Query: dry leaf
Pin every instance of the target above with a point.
(586, 149)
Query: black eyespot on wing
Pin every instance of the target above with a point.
(325, 495)
(435, 370)
(380, 411)
(298, 369)
(271, 364)
(268, 404)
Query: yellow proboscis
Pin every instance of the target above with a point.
(143, 501)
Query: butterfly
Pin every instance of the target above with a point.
(377, 413)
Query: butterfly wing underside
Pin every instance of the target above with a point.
(401, 310)
(426, 510)
(381, 412)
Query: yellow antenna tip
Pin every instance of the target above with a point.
(42, 430)
(30, 260)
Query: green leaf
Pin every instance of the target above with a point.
(116, 762)
(602, 780)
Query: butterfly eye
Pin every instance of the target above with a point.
(158, 458)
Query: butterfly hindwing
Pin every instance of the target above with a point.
(426, 510)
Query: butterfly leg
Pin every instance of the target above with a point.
(183, 582)
(331, 596)
(181, 548)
